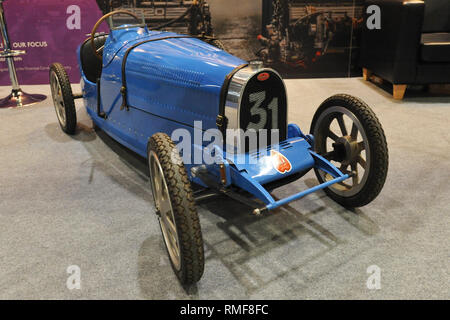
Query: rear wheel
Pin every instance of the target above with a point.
(176, 210)
(348, 133)
(217, 43)
(63, 98)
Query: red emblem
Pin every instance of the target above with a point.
(280, 162)
(263, 76)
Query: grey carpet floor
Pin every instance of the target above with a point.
(83, 201)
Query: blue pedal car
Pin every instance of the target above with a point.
(143, 87)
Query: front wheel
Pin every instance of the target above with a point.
(348, 133)
(176, 210)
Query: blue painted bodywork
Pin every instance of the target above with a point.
(178, 79)
(170, 84)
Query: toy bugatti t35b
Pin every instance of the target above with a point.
(140, 86)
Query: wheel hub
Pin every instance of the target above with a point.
(345, 150)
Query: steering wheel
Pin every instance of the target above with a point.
(99, 22)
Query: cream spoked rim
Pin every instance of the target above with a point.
(164, 210)
(58, 99)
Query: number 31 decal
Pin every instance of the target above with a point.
(258, 109)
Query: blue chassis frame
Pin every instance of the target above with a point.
(228, 170)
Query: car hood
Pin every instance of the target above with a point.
(170, 75)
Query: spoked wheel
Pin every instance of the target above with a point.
(348, 133)
(63, 98)
(164, 210)
(217, 43)
(175, 207)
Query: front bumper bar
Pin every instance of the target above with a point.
(279, 203)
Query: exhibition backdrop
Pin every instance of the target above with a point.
(49, 31)
(299, 38)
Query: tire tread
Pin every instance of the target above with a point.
(69, 102)
(378, 146)
(185, 212)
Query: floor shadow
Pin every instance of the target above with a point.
(252, 238)
(129, 157)
(249, 238)
(354, 216)
(83, 133)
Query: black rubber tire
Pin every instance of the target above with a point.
(218, 44)
(69, 103)
(377, 142)
(184, 209)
